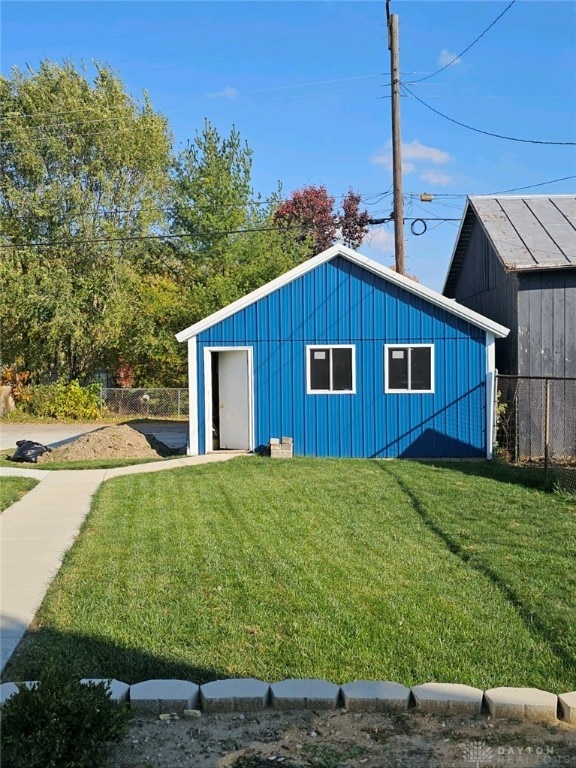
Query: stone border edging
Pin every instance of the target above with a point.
(160, 697)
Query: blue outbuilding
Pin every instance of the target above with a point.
(347, 358)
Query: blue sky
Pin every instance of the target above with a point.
(307, 86)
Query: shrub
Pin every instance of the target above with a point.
(64, 401)
(60, 723)
(17, 380)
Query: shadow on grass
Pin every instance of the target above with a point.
(533, 622)
(530, 477)
(82, 656)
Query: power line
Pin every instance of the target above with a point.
(531, 186)
(105, 213)
(480, 36)
(46, 131)
(140, 113)
(135, 238)
(500, 192)
(485, 133)
(183, 235)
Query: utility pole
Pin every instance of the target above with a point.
(398, 213)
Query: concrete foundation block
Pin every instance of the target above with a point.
(375, 696)
(235, 695)
(117, 689)
(281, 448)
(305, 694)
(9, 689)
(525, 703)
(157, 697)
(567, 703)
(444, 698)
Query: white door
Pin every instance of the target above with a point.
(234, 399)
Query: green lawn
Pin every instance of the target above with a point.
(13, 488)
(315, 568)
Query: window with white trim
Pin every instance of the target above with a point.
(331, 369)
(409, 368)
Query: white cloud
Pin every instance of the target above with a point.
(225, 93)
(381, 240)
(386, 159)
(436, 177)
(413, 153)
(417, 151)
(446, 58)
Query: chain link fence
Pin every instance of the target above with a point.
(162, 403)
(536, 424)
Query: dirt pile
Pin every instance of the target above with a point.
(116, 442)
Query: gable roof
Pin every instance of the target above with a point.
(527, 233)
(372, 266)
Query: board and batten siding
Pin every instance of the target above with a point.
(547, 323)
(341, 303)
(484, 285)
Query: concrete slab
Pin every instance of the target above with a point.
(524, 703)
(163, 696)
(117, 689)
(448, 698)
(567, 703)
(183, 461)
(236, 694)
(174, 434)
(304, 694)
(375, 696)
(23, 470)
(51, 435)
(18, 603)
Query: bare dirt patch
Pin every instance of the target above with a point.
(115, 442)
(341, 739)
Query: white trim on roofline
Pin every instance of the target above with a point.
(411, 286)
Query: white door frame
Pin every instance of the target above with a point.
(208, 446)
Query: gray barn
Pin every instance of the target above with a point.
(515, 262)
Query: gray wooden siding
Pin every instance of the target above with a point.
(547, 323)
(484, 286)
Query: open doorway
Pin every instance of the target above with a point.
(229, 410)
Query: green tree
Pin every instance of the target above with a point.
(85, 174)
(211, 196)
(232, 243)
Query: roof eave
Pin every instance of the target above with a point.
(449, 305)
(454, 264)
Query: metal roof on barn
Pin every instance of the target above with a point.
(527, 233)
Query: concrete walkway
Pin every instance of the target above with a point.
(37, 531)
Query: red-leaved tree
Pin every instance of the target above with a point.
(311, 210)
(353, 222)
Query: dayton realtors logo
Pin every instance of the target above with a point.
(478, 754)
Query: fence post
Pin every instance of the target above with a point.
(546, 431)
(101, 401)
(178, 401)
